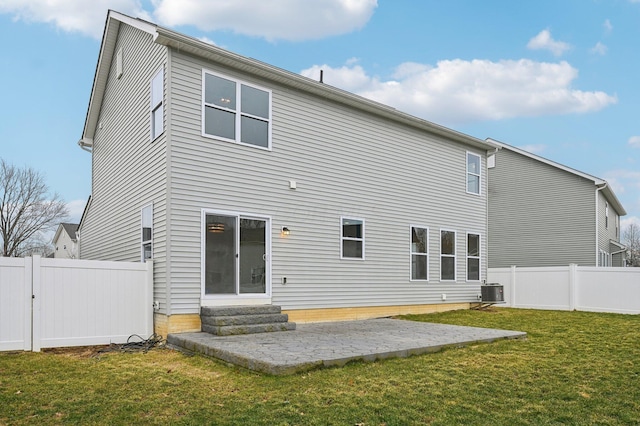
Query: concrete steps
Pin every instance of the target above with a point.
(234, 320)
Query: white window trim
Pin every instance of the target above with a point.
(606, 215)
(237, 112)
(154, 107)
(479, 257)
(343, 238)
(479, 175)
(144, 242)
(411, 253)
(230, 299)
(454, 256)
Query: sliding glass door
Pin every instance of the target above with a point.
(236, 255)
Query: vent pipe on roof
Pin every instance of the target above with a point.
(321, 76)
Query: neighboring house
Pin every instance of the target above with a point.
(248, 184)
(542, 213)
(65, 241)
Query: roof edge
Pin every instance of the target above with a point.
(107, 47)
(200, 48)
(600, 183)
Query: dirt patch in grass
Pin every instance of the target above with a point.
(77, 351)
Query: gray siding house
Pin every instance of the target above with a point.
(247, 184)
(542, 213)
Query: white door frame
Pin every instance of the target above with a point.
(235, 299)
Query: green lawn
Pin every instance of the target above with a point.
(574, 368)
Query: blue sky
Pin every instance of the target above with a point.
(556, 77)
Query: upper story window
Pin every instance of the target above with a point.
(419, 253)
(352, 246)
(447, 255)
(157, 109)
(473, 173)
(606, 215)
(236, 111)
(146, 224)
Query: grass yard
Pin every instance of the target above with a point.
(574, 368)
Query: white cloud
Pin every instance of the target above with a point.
(599, 49)
(275, 19)
(71, 15)
(634, 141)
(607, 26)
(76, 208)
(457, 91)
(544, 41)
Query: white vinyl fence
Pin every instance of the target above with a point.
(582, 288)
(46, 303)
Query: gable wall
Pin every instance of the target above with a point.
(128, 169)
(539, 215)
(64, 247)
(345, 163)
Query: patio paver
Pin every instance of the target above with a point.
(316, 345)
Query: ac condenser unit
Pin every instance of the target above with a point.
(492, 293)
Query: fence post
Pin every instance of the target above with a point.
(27, 331)
(513, 286)
(149, 290)
(573, 284)
(36, 332)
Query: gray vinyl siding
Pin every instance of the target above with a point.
(346, 163)
(539, 215)
(607, 233)
(129, 171)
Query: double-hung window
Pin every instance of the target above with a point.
(419, 253)
(447, 255)
(473, 173)
(235, 111)
(146, 224)
(352, 246)
(473, 257)
(157, 109)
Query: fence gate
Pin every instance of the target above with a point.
(46, 303)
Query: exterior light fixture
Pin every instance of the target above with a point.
(285, 231)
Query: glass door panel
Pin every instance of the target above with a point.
(220, 255)
(253, 256)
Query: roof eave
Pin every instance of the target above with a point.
(181, 42)
(612, 199)
(107, 48)
(197, 47)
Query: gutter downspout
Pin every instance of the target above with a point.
(598, 189)
(486, 225)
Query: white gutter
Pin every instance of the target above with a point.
(86, 144)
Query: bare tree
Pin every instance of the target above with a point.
(26, 210)
(631, 238)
